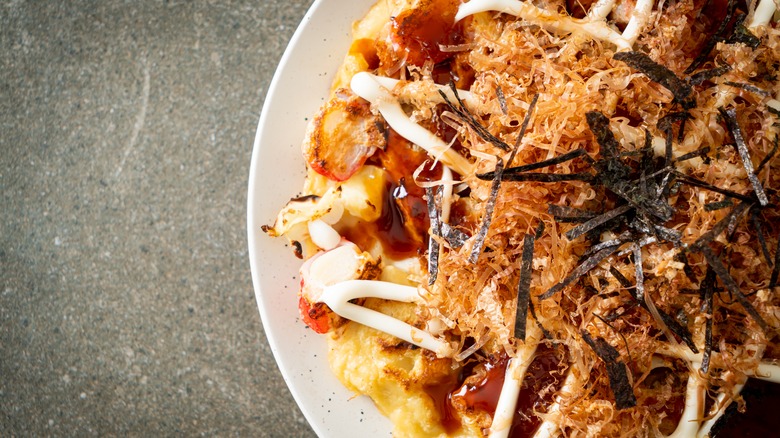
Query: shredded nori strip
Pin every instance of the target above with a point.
(616, 371)
(433, 244)
(666, 125)
(498, 174)
(768, 156)
(639, 276)
(707, 293)
(704, 185)
(687, 270)
(705, 75)
(776, 268)
(453, 236)
(538, 165)
(546, 333)
(756, 221)
(523, 128)
(583, 268)
(718, 228)
(539, 230)
(597, 221)
(488, 217)
(743, 35)
(524, 286)
(548, 177)
(748, 87)
(660, 74)
(713, 206)
(730, 115)
(720, 269)
(501, 100)
(731, 409)
(564, 214)
(599, 125)
(625, 282)
(465, 116)
(673, 325)
(701, 152)
(713, 39)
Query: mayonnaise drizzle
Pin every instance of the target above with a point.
(337, 297)
(513, 382)
(596, 27)
(371, 88)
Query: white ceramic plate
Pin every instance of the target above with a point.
(299, 86)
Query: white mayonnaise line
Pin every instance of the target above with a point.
(323, 235)
(513, 382)
(390, 84)
(597, 29)
(337, 297)
(367, 86)
(549, 428)
(768, 371)
(704, 430)
(600, 9)
(774, 104)
(694, 407)
(638, 20)
(763, 14)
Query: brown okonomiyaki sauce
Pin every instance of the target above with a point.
(419, 33)
(404, 214)
(478, 387)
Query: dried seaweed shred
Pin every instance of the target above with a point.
(705, 75)
(465, 116)
(707, 294)
(730, 115)
(524, 286)
(564, 214)
(712, 41)
(725, 277)
(597, 221)
(433, 244)
(534, 166)
(479, 242)
(582, 269)
(616, 371)
(659, 74)
(749, 87)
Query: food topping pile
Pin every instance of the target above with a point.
(548, 218)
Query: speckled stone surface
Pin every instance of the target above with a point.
(126, 303)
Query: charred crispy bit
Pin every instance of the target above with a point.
(342, 136)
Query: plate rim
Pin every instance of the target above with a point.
(365, 419)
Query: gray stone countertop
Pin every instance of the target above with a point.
(126, 303)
